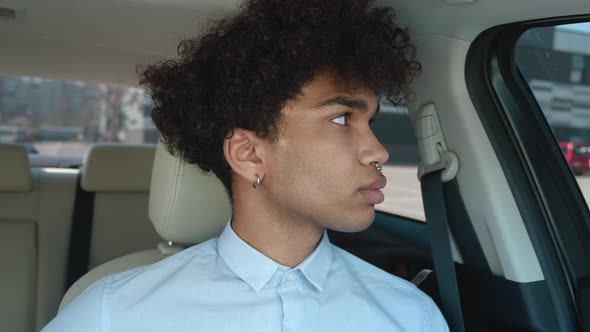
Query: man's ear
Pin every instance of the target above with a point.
(243, 153)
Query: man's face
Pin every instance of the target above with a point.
(321, 169)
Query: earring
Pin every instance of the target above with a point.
(256, 183)
(378, 167)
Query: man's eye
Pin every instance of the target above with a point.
(340, 119)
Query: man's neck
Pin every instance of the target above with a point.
(282, 238)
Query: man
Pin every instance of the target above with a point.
(277, 102)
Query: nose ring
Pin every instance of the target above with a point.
(378, 167)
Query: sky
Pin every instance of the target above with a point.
(578, 27)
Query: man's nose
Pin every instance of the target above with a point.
(373, 151)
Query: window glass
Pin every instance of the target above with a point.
(555, 61)
(403, 196)
(581, 150)
(58, 120)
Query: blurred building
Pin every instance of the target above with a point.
(69, 110)
(556, 63)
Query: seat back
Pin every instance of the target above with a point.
(186, 206)
(18, 233)
(35, 209)
(119, 176)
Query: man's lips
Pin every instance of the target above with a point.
(372, 191)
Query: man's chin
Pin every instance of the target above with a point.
(358, 224)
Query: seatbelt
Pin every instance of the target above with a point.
(438, 230)
(80, 234)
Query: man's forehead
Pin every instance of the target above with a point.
(326, 86)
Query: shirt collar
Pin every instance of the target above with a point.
(256, 269)
(315, 267)
(249, 264)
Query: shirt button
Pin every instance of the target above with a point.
(290, 276)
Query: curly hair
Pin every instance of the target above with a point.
(244, 68)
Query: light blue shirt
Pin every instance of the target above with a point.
(225, 284)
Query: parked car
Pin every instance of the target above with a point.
(577, 155)
(30, 148)
(8, 134)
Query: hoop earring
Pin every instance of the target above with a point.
(256, 183)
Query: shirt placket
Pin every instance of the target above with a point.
(287, 292)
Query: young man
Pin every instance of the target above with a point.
(277, 102)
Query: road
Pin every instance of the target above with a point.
(403, 195)
(62, 148)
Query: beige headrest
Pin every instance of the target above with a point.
(117, 167)
(187, 205)
(15, 170)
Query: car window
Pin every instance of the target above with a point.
(403, 196)
(59, 120)
(555, 62)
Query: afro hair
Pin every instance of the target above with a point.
(244, 68)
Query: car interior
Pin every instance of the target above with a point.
(512, 254)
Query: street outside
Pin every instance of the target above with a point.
(403, 195)
(62, 148)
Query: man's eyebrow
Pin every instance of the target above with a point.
(355, 104)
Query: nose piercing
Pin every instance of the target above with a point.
(378, 167)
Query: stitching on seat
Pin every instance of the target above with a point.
(172, 200)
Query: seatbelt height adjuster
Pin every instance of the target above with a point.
(432, 144)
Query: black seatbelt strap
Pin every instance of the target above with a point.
(80, 234)
(438, 231)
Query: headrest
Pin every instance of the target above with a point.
(15, 174)
(187, 205)
(118, 167)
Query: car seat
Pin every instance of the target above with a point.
(186, 206)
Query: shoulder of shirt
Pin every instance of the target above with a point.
(92, 298)
(388, 286)
(371, 276)
(203, 250)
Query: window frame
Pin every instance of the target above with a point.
(553, 208)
